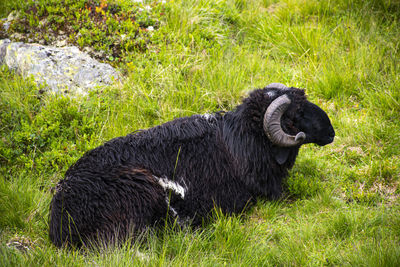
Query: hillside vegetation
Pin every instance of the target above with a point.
(341, 204)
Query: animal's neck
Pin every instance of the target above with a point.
(254, 156)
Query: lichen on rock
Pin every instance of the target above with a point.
(59, 69)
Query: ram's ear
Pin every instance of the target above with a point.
(281, 154)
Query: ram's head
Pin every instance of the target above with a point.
(291, 120)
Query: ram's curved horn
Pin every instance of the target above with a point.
(277, 85)
(272, 124)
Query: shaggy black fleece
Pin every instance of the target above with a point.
(181, 169)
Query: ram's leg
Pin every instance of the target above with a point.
(109, 205)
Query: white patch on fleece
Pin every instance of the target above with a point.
(184, 183)
(271, 94)
(174, 213)
(181, 222)
(208, 116)
(171, 185)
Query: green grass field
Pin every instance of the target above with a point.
(341, 205)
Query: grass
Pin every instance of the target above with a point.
(341, 203)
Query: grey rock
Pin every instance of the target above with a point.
(6, 24)
(59, 69)
(61, 42)
(3, 49)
